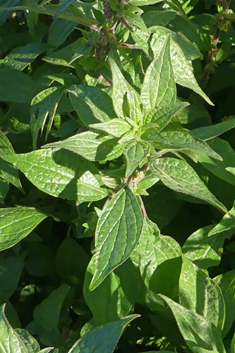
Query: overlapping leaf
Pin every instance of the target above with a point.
(135, 152)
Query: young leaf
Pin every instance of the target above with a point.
(204, 250)
(179, 176)
(103, 338)
(196, 330)
(44, 106)
(91, 104)
(122, 91)
(134, 153)
(16, 223)
(199, 293)
(180, 141)
(91, 146)
(114, 127)
(163, 115)
(226, 282)
(159, 87)
(117, 234)
(61, 173)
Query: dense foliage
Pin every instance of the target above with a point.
(117, 176)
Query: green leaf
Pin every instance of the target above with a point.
(107, 302)
(16, 223)
(117, 234)
(4, 188)
(43, 107)
(144, 2)
(226, 282)
(159, 260)
(227, 223)
(29, 341)
(91, 146)
(114, 127)
(163, 115)
(179, 176)
(59, 30)
(123, 93)
(160, 17)
(182, 67)
(10, 272)
(135, 152)
(63, 4)
(23, 89)
(180, 141)
(10, 341)
(159, 87)
(20, 57)
(199, 293)
(212, 131)
(204, 250)
(91, 104)
(61, 173)
(219, 168)
(47, 313)
(196, 330)
(103, 338)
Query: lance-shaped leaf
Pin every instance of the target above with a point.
(16, 223)
(158, 258)
(196, 330)
(117, 234)
(203, 250)
(91, 104)
(159, 87)
(226, 223)
(180, 176)
(226, 282)
(103, 338)
(126, 101)
(135, 152)
(63, 4)
(180, 141)
(144, 2)
(163, 115)
(61, 173)
(91, 146)
(182, 67)
(212, 131)
(199, 293)
(114, 127)
(7, 171)
(43, 107)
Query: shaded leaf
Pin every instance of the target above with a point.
(212, 131)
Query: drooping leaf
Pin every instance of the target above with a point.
(159, 87)
(196, 330)
(226, 282)
(126, 101)
(91, 146)
(199, 293)
(103, 338)
(115, 127)
(16, 223)
(181, 177)
(117, 234)
(204, 250)
(61, 173)
(43, 107)
(134, 153)
(180, 141)
(47, 313)
(91, 104)
(159, 260)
